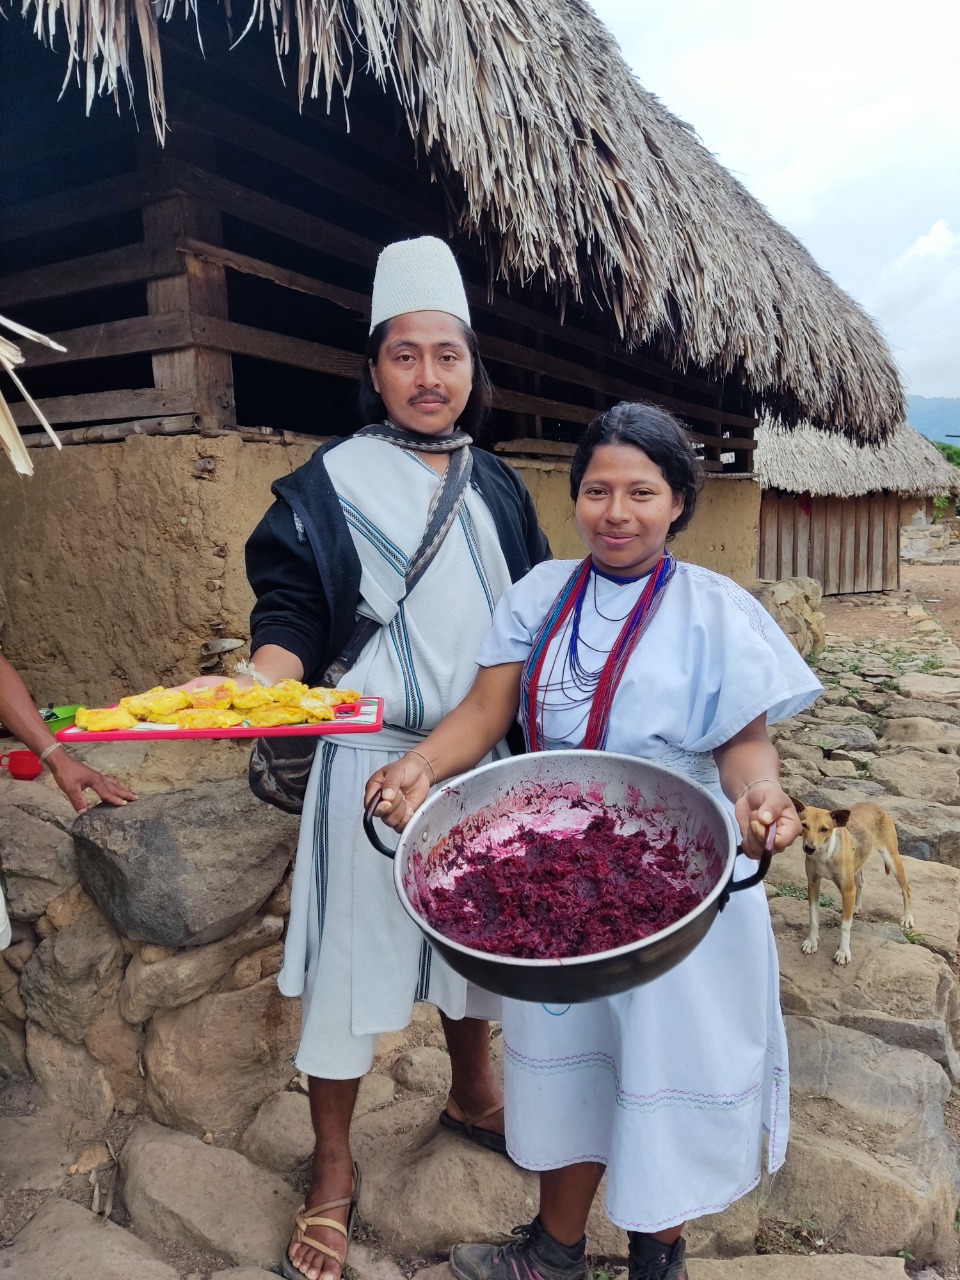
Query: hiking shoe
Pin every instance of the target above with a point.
(534, 1255)
(651, 1260)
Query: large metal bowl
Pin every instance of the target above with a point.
(550, 787)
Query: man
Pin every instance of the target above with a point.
(379, 565)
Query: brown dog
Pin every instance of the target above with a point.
(837, 843)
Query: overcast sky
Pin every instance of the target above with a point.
(843, 118)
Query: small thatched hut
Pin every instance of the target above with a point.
(833, 510)
(209, 276)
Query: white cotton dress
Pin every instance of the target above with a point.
(357, 959)
(671, 1085)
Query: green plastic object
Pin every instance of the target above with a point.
(56, 718)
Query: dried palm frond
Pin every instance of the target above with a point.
(808, 461)
(556, 159)
(11, 358)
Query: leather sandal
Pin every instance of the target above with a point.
(467, 1128)
(315, 1217)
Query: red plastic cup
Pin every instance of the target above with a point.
(24, 765)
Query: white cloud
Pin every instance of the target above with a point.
(917, 301)
(844, 120)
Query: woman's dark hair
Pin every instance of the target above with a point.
(662, 438)
(477, 409)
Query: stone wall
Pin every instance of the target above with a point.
(922, 540)
(795, 604)
(146, 940)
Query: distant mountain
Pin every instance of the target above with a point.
(935, 417)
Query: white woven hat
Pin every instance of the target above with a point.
(417, 275)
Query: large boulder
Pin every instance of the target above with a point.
(920, 731)
(63, 1239)
(922, 775)
(931, 688)
(898, 708)
(899, 992)
(70, 1077)
(184, 868)
(37, 859)
(795, 604)
(869, 1158)
(281, 1136)
(115, 1045)
(927, 831)
(73, 976)
(179, 1189)
(211, 1063)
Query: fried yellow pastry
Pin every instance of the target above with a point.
(332, 697)
(248, 699)
(136, 703)
(315, 712)
(286, 692)
(216, 697)
(206, 718)
(164, 704)
(104, 719)
(275, 716)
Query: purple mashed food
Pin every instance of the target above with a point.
(564, 895)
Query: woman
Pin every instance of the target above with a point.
(670, 1087)
(344, 540)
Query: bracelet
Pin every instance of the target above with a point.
(48, 751)
(433, 772)
(756, 782)
(248, 669)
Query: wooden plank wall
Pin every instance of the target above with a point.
(243, 168)
(850, 545)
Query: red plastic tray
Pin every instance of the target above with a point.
(365, 716)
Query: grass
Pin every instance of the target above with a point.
(800, 893)
(917, 938)
(930, 664)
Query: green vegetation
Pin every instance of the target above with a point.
(949, 451)
(800, 893)
(932, 662)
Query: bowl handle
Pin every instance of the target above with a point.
(371, 830)
(734, 886)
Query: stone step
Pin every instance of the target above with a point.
(64, 1239)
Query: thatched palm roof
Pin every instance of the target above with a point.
(572, 172)
(809, 461)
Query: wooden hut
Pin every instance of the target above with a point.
(609, 253)
(833, 510)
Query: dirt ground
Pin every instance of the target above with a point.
(883, 615)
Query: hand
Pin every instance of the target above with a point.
(762, 806)
(403, 786)
(73, 778)
(208, 682)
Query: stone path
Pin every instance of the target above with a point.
(122, 1033)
